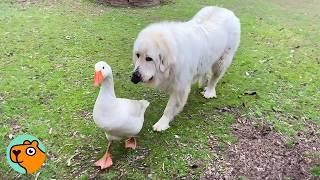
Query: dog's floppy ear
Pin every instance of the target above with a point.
(166, 61)
(162, 65)
(166, 57)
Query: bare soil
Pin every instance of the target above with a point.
(262, 153)
(135, 3)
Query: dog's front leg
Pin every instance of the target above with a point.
(176, 102)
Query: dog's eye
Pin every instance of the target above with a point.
(30, 151)
(102, 67)
(138, 55)
(149, 59)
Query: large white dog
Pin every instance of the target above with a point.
(173, 55)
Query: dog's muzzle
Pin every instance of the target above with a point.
(136, 77)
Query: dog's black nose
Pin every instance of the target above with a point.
(16, 152)
(136, 77)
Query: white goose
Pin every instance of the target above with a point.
(118, 117)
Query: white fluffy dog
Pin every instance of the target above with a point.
(173, 55)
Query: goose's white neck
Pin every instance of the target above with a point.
(107, 88)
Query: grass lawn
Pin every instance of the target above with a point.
(48, 50)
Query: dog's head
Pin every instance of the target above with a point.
(152, 58)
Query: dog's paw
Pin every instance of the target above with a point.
(208, 94)
(160, 126)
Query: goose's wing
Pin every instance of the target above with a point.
(133, 107)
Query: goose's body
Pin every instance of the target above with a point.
(118, 117)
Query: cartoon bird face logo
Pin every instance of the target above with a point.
(28, 155)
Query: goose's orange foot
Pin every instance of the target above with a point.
(104, 162)
(131, 143)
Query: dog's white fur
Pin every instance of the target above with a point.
(185, 52)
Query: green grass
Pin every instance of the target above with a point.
(316, 171)
(47, 54)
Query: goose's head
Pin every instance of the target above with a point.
(102, 71)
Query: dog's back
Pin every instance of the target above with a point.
(212, 18)
(213, 14)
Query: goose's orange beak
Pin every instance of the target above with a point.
(98, 78)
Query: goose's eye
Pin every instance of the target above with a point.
(138, 55)
(149, 59)
(102, 67)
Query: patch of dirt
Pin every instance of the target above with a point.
(134, 3)
(73, 6)
(27, 2)
(39, 3)
(15, 128)
(82, 163)
(83, 114)
(262, 153)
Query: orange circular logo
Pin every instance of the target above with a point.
(26, 154)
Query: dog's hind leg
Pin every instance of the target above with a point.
(218, 70)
